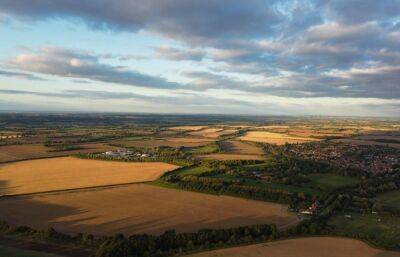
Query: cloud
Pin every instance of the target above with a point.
(358, 11)
(20, 75)
(76, 64)
(307, 49)
(189, 20)
(176, 54)
(194, 103)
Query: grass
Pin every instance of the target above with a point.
(206, 149)
(390, 201)
(15, 252)
(267, 185)
(383, 230)
(195, 170)
(329, 181)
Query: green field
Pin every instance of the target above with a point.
(195, 170)
(268, 185)
(206, 149)
(328, 181)
(379, 229)
(15, 252)
(390, 201)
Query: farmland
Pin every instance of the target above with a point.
(68, 173)
(225, 157)
(331, 181)
(167, 141)
(303, 247)
(235, 150)
(234, 182)
(274, 138)
(213, 132)
(383, 230)
(187, 128)
(10, 153)
(238, 147)
(140, 209)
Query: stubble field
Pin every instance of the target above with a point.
(12, 153)
(63, 173)
(304, 247)
(140, 209)
(274, 138)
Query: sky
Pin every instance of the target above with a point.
(256, 57)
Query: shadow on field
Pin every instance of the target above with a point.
(108, 218)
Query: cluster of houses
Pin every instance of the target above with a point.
(374, 159)
(6, 136)
(125, 154)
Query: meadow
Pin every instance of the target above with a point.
(382, 230)
(327, 181)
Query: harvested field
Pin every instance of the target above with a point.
(68, 173)
(213, 132)
(228, 157)
(274, 138)
(238, 147)
(140, 209)
(171, 142)
(11, 153)
(187, 128)
(304, 247)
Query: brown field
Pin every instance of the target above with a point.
(187, 128)
(213, 132)
(140, 209)
(11, 153)
(303, 247)
(171, 142)
(68, 173)
(235, 150)
(228, 157)
(238, 147)
(274, 138)
(308, 131)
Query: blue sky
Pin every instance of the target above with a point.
(187, 56)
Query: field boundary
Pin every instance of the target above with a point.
(45, 247)
(71, 190)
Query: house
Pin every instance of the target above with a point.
(312, 209)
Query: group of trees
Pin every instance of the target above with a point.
(236, 188)
(171, 242)
(145, 245)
